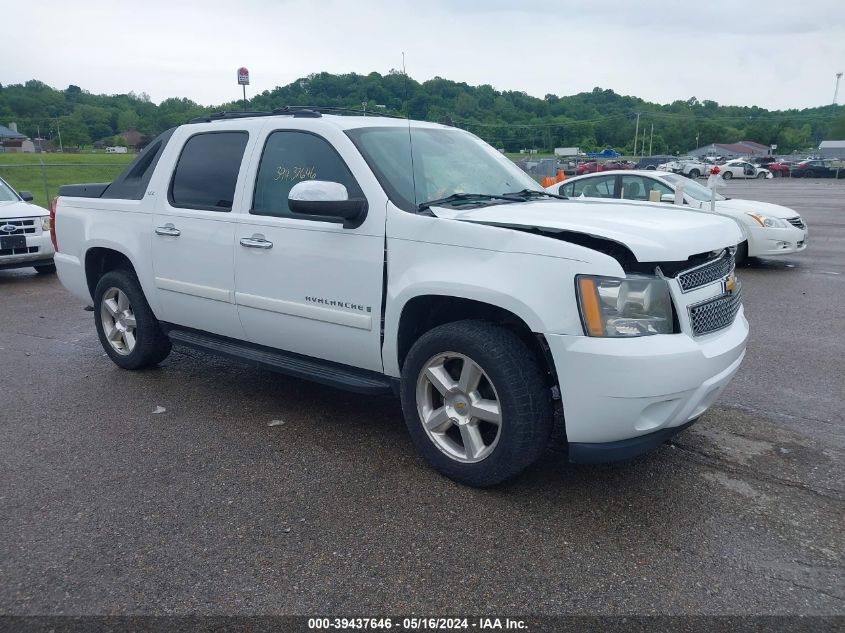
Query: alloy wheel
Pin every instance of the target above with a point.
(118, 321)
(458, 407)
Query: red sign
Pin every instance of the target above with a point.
(243, 77)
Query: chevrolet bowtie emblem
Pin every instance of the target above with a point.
(730, 284)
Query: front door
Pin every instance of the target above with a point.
(303, 285)
(193, 230)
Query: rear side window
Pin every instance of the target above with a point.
(595, 187)
(291, 157)
(207, 171)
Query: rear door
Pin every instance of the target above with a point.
(193, 230)
(636, 187)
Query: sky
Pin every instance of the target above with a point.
(771, 53)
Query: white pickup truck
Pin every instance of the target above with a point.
(319, 246)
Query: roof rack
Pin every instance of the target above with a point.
(288, 109)
(217, 116)
(295, 111)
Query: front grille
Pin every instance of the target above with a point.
(706, 273)
(716, 313)
(23, 226)
(797, 222)
(18, 251)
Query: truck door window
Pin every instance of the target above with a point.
(291, 157)
(207, 171)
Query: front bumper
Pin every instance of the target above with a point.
(40, 251)
(766, 242)
(621, 389)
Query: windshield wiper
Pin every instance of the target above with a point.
(463, 197)
(529, 194)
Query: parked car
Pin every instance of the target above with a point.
(494, 310)
(588, 168)
(25, 236)
(817, 169)
(593, 167)
(651, 162)
(779, 169)
(768, 229)
(739, 168)
(689, 167)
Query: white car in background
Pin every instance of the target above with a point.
(769, 229)
(25, 237)
(743, 169)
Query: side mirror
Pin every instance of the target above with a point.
(327, 201)
(668, 197)
(25, 195)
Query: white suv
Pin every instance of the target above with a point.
(388, 256)
(25, 238)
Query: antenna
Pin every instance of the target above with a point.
(836, 90)
(410, 142)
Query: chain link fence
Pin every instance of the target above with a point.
(43, 180)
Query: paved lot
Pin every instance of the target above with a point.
(109, 508)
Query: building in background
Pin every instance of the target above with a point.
(13, 141)
(834, 150)
(742, 149)
(133, 138)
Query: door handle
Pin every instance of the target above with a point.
(256, 241)
(168, 229)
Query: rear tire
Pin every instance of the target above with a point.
(45, 269)
(694, 173)
(128, 330)
(503, 374)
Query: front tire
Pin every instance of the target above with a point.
(128, 330)
(761, 175)
(45, 269)
(476, 402)
(727, 175)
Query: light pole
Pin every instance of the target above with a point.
(636, 135)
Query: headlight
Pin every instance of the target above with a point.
(769, 222)
(45, 223)
(621, 308)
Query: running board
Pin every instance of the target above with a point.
(316, 370)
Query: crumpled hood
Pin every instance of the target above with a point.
(653, 232)
(18, 209)
(753, 206)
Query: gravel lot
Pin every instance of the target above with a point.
(109, 508)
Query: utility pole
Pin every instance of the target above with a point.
(636, 135)
(836, 89)
(59, 131)
(651, 140)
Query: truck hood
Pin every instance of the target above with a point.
(753, 206)
(652, 232)
(18, 209)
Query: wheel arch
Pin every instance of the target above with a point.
(423, 312)
(102, 259)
